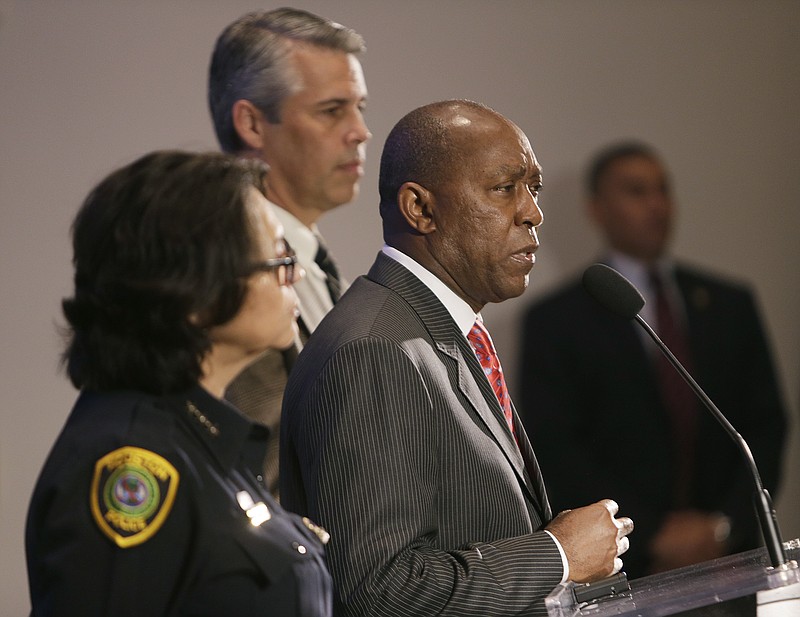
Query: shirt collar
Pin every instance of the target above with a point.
(632, 269)
(459, 310)
(313, 297)
(638, 273)
(302, 238)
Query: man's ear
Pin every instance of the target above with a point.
(416, 205)
(248, 121)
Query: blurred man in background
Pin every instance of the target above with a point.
(590, 379)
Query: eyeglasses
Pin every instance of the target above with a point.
(285, 267)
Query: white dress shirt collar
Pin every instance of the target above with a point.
(637, 272)
(313, 297)
(459, 310)
(303, 239)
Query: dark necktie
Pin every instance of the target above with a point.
(487, 356)
(327, 265)
(678, 398)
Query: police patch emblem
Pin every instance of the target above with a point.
(132, 494)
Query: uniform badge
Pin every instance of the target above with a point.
(132, 493)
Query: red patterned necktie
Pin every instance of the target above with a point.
(678, 397)
(482, 344)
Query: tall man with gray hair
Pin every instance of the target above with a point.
(286, 86)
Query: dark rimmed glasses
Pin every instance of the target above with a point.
(285, 267)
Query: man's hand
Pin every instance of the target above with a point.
(592, 539)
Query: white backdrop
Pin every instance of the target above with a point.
(87, 85)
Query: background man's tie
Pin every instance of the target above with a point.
(678, 397)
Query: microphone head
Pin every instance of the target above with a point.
(612, 290)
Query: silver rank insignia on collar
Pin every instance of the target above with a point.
(198, 415)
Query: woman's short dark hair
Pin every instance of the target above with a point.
(160, 247)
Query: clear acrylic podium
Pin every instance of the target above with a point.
(737, 586)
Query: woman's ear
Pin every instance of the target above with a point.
(417, 206)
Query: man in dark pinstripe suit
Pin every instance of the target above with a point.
(393, 438)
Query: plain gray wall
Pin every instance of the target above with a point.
(86, 86)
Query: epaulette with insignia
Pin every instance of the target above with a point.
(132, 494)
(320, 532)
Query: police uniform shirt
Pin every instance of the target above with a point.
(153, 506)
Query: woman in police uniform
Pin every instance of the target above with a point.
(151, 502)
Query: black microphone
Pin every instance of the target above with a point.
(616, 293)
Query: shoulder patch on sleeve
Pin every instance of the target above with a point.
(132, 494)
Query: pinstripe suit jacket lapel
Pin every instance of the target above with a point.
(471, 380)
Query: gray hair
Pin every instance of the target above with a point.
(250, 61)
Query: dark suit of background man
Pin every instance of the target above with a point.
(392, 436)
(286, 86)
(604, 422)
